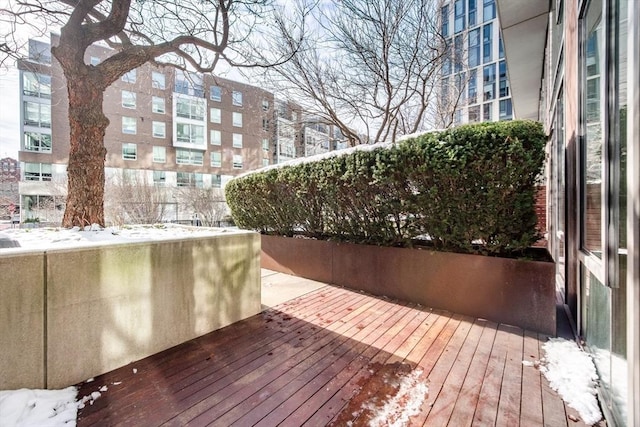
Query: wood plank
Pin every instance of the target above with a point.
(465, 405)
(487, 408)
(348, 384)
(305, 362)
(238, 375)
(531, 405)
(511, 389)
(437, 375)
(309, 395)
(282, 329)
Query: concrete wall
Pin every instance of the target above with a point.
(107, 306)
(22, 306)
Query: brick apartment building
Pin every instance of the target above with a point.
(168, 128)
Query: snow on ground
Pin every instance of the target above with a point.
(405, 404)
(571, 372)
(46, 238)
(44, 408)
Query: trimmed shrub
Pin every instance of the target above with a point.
(469, 189)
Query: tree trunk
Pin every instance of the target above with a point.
(85, 191)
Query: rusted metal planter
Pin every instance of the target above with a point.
(504, 290)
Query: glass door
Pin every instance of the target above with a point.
(603, 197)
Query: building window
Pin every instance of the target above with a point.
(157, 105)
(265, 104)
(472, 86)
(189, 157)
(457, 117)
(459, 18)
(237, 119)
(37, 142)
(129, 125)
(506, 111)
(190, 133)
(159, 130)
(486, 113)
(94, 60)
(474, 48)
(189, 84)
(37, 171)
(460, 80)
(265, 144)
(500, 46)
(294, 116)
(215, 115)
(487, 48)
(444, 91)
(265, 124)
(159, 178)
(237, 161)
(36, 114)
(446, 64)
(489, 82)
(130, 77)
(216, 181)
(187, 179)
(444, 18)
(216, 137)
(458, 52)
(489, 11)
(159, 154)
(157, 80)
(36, 85)
(504, 82)
(236, 98)
(474, 114)
(237, 140)
(128, 99)
(265, 162)
(473, 12)
(216, 159)
(190, 108)
(129, 151)
(215, 93)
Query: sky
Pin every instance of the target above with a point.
(9, 113)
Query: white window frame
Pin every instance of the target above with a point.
(159, 154)
(131, 146)
(215, 98)
(215, 115)
(130, 76)
(237, 161)
(156, 126)
(158, 80)
(130, 128)
(237, 140)
(216, 137)
(155, 102)
(128, 99)
(216, 163)
(237, 119)
(236, 98)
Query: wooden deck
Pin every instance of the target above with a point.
(337, 356)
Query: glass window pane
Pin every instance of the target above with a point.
(592, 155)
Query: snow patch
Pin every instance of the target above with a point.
(571, 372)
(406, 403)
(51, 408)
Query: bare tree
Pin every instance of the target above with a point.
(372, 65)
(133, 199)
(208, 203)
(190, 34)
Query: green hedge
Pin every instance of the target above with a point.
(474, 183)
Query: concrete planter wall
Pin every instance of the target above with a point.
(516, 292)
(70, 314)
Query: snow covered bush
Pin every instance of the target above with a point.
(468, 189)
